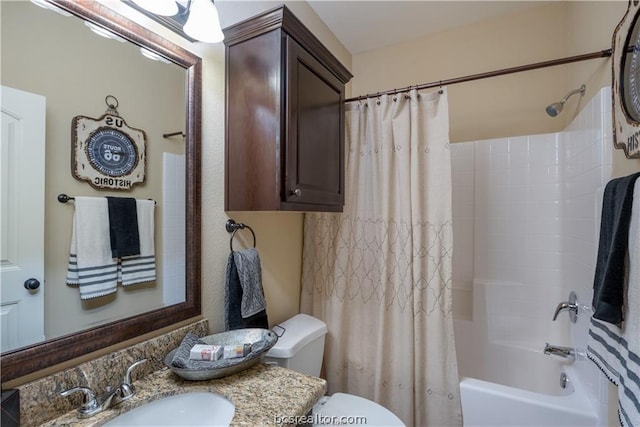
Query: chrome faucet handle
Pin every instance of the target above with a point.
(571, 306)
(126, 389)
(90, 405)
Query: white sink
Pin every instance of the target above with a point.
(190, 409)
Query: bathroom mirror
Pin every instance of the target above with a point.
(66, 346)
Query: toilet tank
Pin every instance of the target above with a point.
(301, 345)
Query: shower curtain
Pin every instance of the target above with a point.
(379, 274)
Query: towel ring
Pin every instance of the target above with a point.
(233, 227)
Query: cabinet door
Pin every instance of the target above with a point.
(315, 133)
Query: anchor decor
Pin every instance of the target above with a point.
(106, 152)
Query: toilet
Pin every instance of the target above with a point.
(301, 349)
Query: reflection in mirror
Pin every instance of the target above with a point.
(56, 69)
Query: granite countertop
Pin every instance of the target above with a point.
(260, 394)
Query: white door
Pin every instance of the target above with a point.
(22, 154)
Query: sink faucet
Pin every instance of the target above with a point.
(571, 306)
(568, 353)
(127, 390)
(92, 405)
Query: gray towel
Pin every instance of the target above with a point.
(608, 284)
(181, 356)
(250, 274)
(233, 298)
(123, 227)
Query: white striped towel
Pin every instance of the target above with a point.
(616, 350)
(141, 268)
(91, 267)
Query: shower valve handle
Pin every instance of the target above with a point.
(571, 306)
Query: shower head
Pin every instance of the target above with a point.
(555, 108)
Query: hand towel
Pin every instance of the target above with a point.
(612, 249)
(123, 226)
(91, 266)
(244, 308)
(181, 356)
(141, 268)
(616, 349)
(250, 274)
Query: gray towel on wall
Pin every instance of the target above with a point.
(123, 226)
(250, 275)
(238, 303)
(608, 285)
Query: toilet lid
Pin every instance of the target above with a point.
(369, 413)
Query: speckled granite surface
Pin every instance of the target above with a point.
(40, 400)
(261, 395)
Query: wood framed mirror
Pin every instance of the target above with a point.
(29, 359)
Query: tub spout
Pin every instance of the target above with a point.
(568, 353)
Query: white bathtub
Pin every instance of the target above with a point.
(496, 405)
(506, 383)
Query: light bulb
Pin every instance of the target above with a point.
(43, 4)
(103, 32)
(152, 55)
(203, 23)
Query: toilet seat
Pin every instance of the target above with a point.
(331, 408)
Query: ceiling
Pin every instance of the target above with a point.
(363, 25)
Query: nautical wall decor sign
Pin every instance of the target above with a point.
(106, 152)
(626, 82)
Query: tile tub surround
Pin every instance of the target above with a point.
(40, 400)
(261, 394)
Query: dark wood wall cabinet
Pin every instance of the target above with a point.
(284, 117)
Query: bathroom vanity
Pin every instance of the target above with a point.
(261, 395)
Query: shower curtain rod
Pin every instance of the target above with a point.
(593, 55)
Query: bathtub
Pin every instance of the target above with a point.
(505, 384)
(490, 404)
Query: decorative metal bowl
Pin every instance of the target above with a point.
(238, 336)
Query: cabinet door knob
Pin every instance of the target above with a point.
(297, 192)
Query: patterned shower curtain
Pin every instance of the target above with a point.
(379, 274)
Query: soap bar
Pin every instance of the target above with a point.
(205, 352)
(234, 351)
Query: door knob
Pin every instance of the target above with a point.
(31, 284)
(297, 192)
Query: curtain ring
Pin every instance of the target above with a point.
(378, 98)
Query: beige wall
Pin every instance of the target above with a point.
(513, 104)
(591, 24)
(279, 234)
(59, 58)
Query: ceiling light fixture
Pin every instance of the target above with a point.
(203, 23)
(198, 20)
